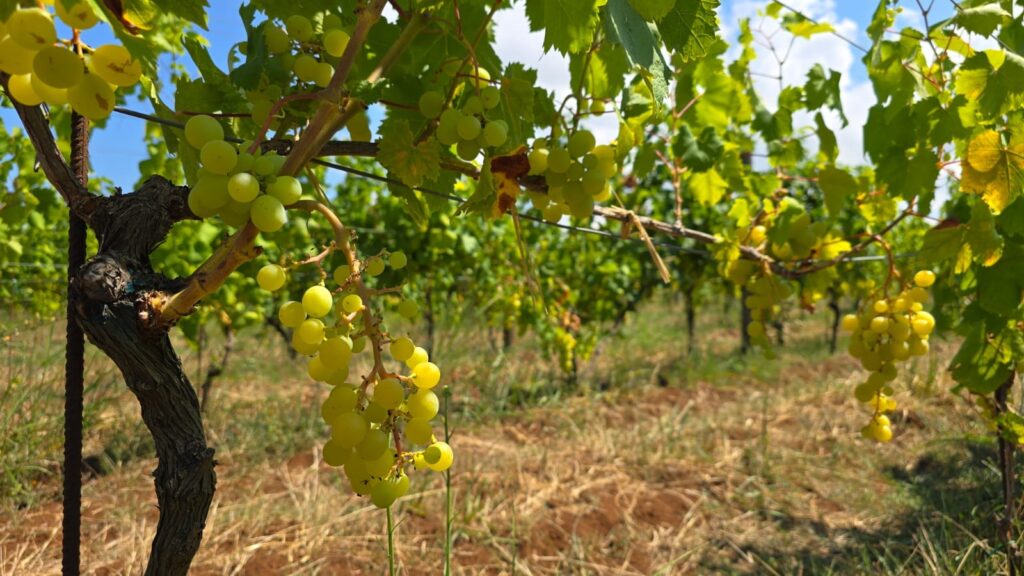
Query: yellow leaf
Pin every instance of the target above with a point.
(985, 151)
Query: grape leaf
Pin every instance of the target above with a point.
(652, 9)
(698, 154)
(690, 27)
(982, 19)
(708, 187)
(568, 25)
(940, 244)
(837, 185)
(827, 144)
(413, 163)
(821, 90)
(415, 206)
(978, 365)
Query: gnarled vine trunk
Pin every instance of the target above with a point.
(116, 297)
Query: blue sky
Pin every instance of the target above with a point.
(117, 149)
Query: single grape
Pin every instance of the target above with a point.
(481, 77)
(359, 128)
(299, 27)
(32, 28)
(322, 74)
(276, 39)
(375, 413)
(291, 314)
(438, 456)
(468, 149)
(419, 355)
(305, 67)
(495, 133)
(491, 96)
(336, 455)
(243, 187)
(758, 234)
(402, 348)
(335, 42)
(923, 323)
(341, 399)
(311, 331)
(538, 160)
(597, 107)
(351, 303)
(419, 431)
(426, 375)
(408, 309)
(92, 97)
(114, 64)
(431, 104)
(218, 156)
(924, 279)
(303, 347)
(389, 393)
(58, 67)
(349, 429)
(15, 58)
(851, 323)
(266, 165)
(202, 129)
(317, 370)
(581, 142)
(880, 324)
(558, 160)
(336, 352)
(20, 86)
(593, 183)
(267, 213)
(80, 16)
(332, 22)
(473, 105)
(423, 404)
(397, 260)
(286, 189)
(448, 127)
(317, 301)
(271, 277)
(374, 266)
(373, 445)
(468, 127)
(49, 94)
(341, 274)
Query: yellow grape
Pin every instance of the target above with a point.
(299, 27)
(311, 331)
(341, 274)
(850, 323)
(402, 349)
(349, 429)
(271, 277)
(80, 16)
(32, 28)
(317, 370)
(335, 42)
(438, 456)
(375, 266)
(879, 324)
(397, 260)
(303, 347)
(426, 375)
(92, 97)
(418, 431)
(114, 64)
(373, 446)
(336, 455)
(291, 314)
(49, 94)
(924, 278)
(201, 129)
(389, 393)
(423, 404)
(21, 89)
(218, 157)
(243, 187)
(419, 355)
(58, 67)
(14, 58)
(268, 214)
(351, 303)
(336, 352)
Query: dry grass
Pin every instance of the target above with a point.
(734, 467)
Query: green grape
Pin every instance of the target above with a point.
(351, 303)
(245, 161)
(336, 352)
(375, 413)
(14, 58)
(419, 355)
(202, 129)
(303, 347)
(32, 28)
(473, 105)
(271, 277)
(305, 67)
(581, 204)
(468, 127)
(114, 64)
(495, 133)
(924, 279)
(558, 160)
(341, 399)
(359, 344)
(49, 94)
(553, 213)
(593, 183)
(597, 107)
(267, 164)
(299, 27)
(317, 301)
(575, 171)
(322, 74)
(80, 16)
(389, 393)
(850, 323)
(419, 431)
(332, 22)
(311, 331)
(374, 266)
(276, 39)
(538, 161)
(408, 309)
(243, 187)
(447, 127)
(401, 349)
(286, 189)
(581, 142)
(218, 156)
(260, 111)
(267, 213)
(234, 214)
(468, 149)
(426, 375)
(21, 89)
(291, 314)
(349, 429)
(57, 67)
(880, 324)
(92, 97)
(335, 42)
(388, 490)
(335, 455)
(438, 456)
(355, 471)
(195, 201)
(211, 191)
(431, 104)
(397, 260)
(480, 77)
(423, 404)
(317, 370)
(341, 274)
(373, 445)
(359, 128)
(491, 96)
(380, 466)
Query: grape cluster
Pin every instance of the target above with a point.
(306, 52)
(368, 421)
(45, 70)
(764, 293)
(888, 331)
(467, 128)
(577, 175)
(238, 186)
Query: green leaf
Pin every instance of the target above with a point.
(517, 95)
(652, 9)
(837, 185)
(978, 365)
(413, 163)
(708, 187)
(821, 90)
(191, 10)
(941, 244)
(982, 19)
(568, 25)
(415, 206)
(698, 154)
(827, 145)
(482, 200)
(690, 27)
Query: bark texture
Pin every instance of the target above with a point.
(116, 297)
